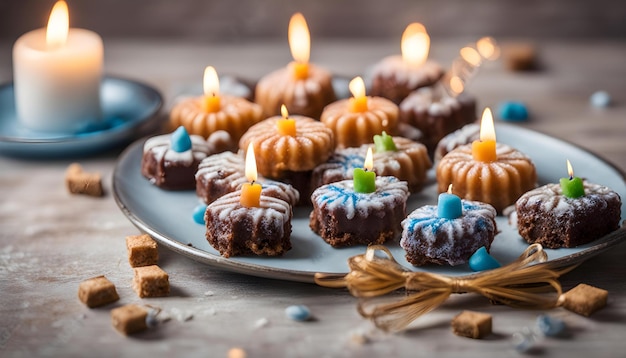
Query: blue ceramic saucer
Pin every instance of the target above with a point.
(129, 108)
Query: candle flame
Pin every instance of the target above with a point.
(456, 84)
(251, 173)
(58, 26)
(471, 56)
(369, 160)
(487, 130)
(450, 189)
(211, 83)
(299, 38)
(357, 87)
(415, 44)
(284, 112)
(570, 170)
(488, 48)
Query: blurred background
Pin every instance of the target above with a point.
(244, 20)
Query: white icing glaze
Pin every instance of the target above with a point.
(403, 72)
(389, 191)
(425, 100)
(551, 199)
(161, 148)
(272, 211)
(465, 135)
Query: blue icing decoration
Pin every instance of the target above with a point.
(481, 261)
(348, 161)
(198, 214)
(180, 140)
(513, 111)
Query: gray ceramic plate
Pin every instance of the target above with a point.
(167, 216)
(129, 108)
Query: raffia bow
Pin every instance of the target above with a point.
(521, 283)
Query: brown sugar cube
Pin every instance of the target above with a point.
(520, 56)
(129, 319)
(584, 299)
(151, 281)
(142, 250)
(79, 182)
(97, 291)
(472, 324)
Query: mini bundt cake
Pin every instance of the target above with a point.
(499, 183)
(394, 78)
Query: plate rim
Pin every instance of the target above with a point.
(74, 139)
(220, 262)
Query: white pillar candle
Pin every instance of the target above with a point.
(57, 85)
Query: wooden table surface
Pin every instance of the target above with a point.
(50, 240)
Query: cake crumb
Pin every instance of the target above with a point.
(261, 323)
(142, 250)
(80, 182)
(97, 291)
(129, 319)
(584, 299)
(181, 315)
(472, 324)
(151, 281)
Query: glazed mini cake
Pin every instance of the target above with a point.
(395, 78)
(289, 158)
(343, 217)
(499, 183)
(436, 115)
(410, 163)
(235, 230)
(306, 97)
(429, 239)
(235, 116)
(169, 169)
(465, 135)
(352, 129)
(547, 217)
(224, 173)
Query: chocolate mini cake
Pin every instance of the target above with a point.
(223, 173)
(429, 239)
(170, 169)
(394, 78)
(436, 115)
(409, 162)
(547, 217)
(465, 135)
(235, 230)
(343, 217)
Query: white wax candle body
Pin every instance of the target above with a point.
(58, 90)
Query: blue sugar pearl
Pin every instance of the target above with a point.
(600, 99)
(298, 313)
(513, 111)
(180, 140)
(198, 214)
(524, 341)
(550, 326)
(481, 261)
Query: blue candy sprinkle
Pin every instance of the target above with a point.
(524, 341)
(481, 260)
(198, 214)
(600, 99)
(513, 111)
(298, 313)
(180, 140)
(550, 326)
